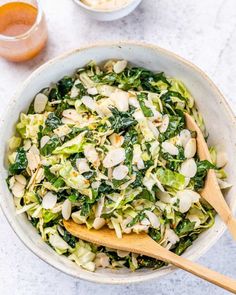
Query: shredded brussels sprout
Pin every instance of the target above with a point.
(109, 146)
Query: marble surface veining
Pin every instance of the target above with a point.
(203, 32)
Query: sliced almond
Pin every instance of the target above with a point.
(160, 186)
(34, 150)
(186, 199)
(66, 209)
(104, 106)
(140, 164)
(40, 103)
(18, 190)
(114, 157)
(120, 66)
(134, 102)
(60, 230)
(72, 115)
(31, 183)
(92, 91)
(137, 228)
(124, 224)
(137, 157)
(121, 100)
(78, 218)
(122, 254)
(154, 220)
(164, 124)
(102, 260)
(57, 242)
(27, 144)
(33, 161)
(171, 236)
(221, 159)
(166, 198)
(186, 182)
(188, 168)
(12, 182)
(82, 165)
(40, 175)
(190, 148)
(170, 148)
(116, 139)
(89, 102)
(145, 221)
(185, 136)
(49, 201)
(33, 158)
(44, 140)
(120, 172)
(139, 116)
(55, 168)
(62, 130)
(100, 205)
(153, 128)
(99, 222)
(21, 179)
(91, 154)
(74, 92)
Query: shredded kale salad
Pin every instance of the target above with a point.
(109, 146)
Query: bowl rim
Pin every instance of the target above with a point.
(40, 253)
(81, 4)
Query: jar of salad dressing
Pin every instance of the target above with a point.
(23, 31)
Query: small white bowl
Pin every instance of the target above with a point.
(219, 119)
(109, 15)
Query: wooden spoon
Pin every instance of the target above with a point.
(144, 245)
(211, 191)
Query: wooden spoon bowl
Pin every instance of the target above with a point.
(211, 191)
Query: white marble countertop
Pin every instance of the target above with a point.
(203, 32)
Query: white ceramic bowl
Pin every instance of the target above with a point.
(217, 114)
(109, 15)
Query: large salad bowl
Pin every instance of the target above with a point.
(219, 120)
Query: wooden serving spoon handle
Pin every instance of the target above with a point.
(231, 224)
(144, 245)
(211, 191)
(195, 268)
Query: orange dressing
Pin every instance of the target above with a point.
(16, 19)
